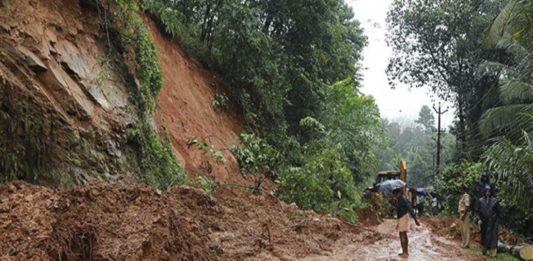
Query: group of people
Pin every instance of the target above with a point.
(486, 210)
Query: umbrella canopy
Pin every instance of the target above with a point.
(422, 191)
(391, 185)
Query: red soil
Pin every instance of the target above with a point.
(120, 222)
(185, 110)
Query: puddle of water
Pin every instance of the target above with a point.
(387, 246)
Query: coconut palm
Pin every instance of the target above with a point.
(512, 32)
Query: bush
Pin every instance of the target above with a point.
(324, 184)
(449, 183)
(221, 102)
(256, 156)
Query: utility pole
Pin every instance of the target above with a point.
(439, 114)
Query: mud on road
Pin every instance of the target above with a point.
(135, 222)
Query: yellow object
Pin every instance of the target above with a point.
(403, 171)
(526, 252)
(465, 232)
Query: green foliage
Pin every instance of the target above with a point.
(207, 184)
(453, 178)
(206, 148)
(156, 157)
(439, 45)
(256, 156)
(353, 120)
(514, 165)
(314, 128)
(140, 53)
(426, 119)
(511, 32)
(221, 102)
(323, 184)
(23, 139)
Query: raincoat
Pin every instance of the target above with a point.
(488, 210)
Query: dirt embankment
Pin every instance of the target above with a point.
(62, 93)
(186, 110)
(119, 222)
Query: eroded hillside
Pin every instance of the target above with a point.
(65, 104)
(68, 100)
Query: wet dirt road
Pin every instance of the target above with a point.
(382, 243)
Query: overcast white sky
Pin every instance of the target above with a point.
(401, 104)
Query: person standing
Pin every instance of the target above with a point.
(484, 182)
(404, 209)
(488, 210)
(464, 216)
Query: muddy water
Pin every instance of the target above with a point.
(382, 243)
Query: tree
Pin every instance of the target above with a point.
(426, 119)
(353, 120)
(512, 33)
(437, 44)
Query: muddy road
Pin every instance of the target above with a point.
(385, 245)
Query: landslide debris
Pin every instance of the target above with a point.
(120, 222)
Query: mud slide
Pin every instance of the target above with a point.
(121, 222)
(186, 111)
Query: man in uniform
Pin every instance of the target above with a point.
(464, 216)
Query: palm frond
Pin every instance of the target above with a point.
(500, 25)
(515, 91)
(514, 164)
(504, 119)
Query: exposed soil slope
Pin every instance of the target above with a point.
(186, 111)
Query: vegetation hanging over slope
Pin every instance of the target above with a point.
(155, 154)
(282, 60)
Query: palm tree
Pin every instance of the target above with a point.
(512, 32)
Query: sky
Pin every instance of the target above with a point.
(403, 103)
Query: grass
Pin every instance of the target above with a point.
(477, 251)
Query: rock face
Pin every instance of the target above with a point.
(62, 90)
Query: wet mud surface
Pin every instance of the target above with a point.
(135, 222)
